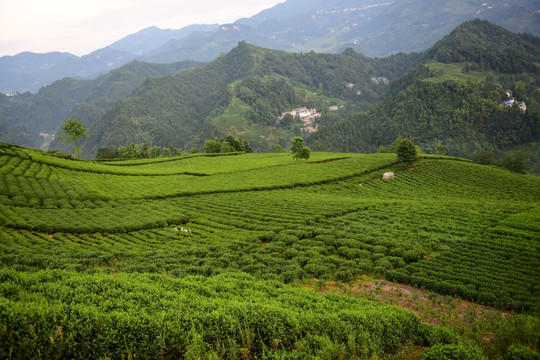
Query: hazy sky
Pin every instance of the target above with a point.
(81, 26)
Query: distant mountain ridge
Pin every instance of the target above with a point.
(372, 28)
(30, 71)
(153, 37)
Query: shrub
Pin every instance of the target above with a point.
(439, 335)
(454, 352)
(406, 151)
(520, 352)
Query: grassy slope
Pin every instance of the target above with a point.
(455, 72)
(71, 225)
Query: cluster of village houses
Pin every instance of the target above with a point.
(381, 80)
(307, 117)
(512, 100)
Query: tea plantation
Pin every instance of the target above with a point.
(201, 256)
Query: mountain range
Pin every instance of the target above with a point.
(477, 89)
(369, 27)
(455, 94)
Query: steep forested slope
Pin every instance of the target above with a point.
(44, 111)
(243, 92)
(454, 97)
(171, 109)
(85, 99)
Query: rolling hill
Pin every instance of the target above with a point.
(208, 255)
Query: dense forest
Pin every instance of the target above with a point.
(26, 115)
(454, 98)
(247, 89)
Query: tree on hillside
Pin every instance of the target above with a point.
(155, 151)
(298, 149)
(144, 150)
(515, 163)
(229, 144)
(212, 146)
(441, 149)
(406, 151)
(278, 149)
(75, 132)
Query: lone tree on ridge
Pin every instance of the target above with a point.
(406, 151)
(298, 149)
(75, 132)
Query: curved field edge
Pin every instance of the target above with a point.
(23, 184)
(197, 164)
(449, 226)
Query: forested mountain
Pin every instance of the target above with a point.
(33, 114)
(453, 95)
(25, 116)
(456, 98)
(371, 28)
(243, 93)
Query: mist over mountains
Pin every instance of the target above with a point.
(373, 28)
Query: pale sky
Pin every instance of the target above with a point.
(82, 26)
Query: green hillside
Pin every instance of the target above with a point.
(27, 115)
(244, 92)
(202, 256)
(453, 98)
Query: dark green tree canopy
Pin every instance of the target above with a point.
(406, 151)
(229, 144)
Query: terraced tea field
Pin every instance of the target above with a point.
(200, 256)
